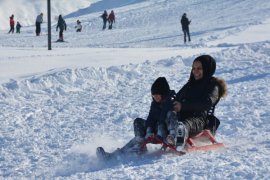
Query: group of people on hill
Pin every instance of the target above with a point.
(173, 117)
(12, 25)
(108, 18)
(61, 24)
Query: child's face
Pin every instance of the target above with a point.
(157, 98)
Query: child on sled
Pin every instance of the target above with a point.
(174, 119)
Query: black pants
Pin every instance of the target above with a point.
(139, 131)
(11, 29)
(38, 28)
(61, 36)
(104, 24)
(186, 33)
(110, 24)
(139, 127)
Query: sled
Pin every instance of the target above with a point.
(155, 140)
(203, 141)
(205, 135)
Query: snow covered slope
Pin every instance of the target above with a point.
(152, 23)
(58, 106)
(26, 11)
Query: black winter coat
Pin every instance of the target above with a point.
(61, 24)
(158, 112)
(104, 16)
(185, 23)
(198, 98)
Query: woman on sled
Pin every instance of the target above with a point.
(195, 103)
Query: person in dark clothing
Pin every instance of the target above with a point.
(195, 102)
(185, 27)
(162, 103)
(111, 19)
(39, 20)
(154, 124)
(18, 27)
(61, 24)
(104, 17)
(12, 24)
(78, 26)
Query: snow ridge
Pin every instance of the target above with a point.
(72, 104)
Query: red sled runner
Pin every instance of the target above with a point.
(194, 143)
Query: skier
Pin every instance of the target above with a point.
(195, 103)
(39, 20)
(185, 26)
(104, 17)
(111, 19)
(154, 124)
(61, 24)
(12, 24)
(78, 26)
(18, 27)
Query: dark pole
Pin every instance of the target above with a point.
(49, 25)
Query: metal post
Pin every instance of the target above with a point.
(49, 24)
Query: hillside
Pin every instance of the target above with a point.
(26, 11)
(58, 106)
(152, 24)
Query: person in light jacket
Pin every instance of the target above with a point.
(39, 20)
(78, 26)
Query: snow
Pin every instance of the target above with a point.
(26, 11)
(57, 106)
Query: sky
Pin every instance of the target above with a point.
(58, 106)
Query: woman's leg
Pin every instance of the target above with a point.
(194, 125)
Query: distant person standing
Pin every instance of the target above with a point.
(11, 24)
(78, 26)
(185, 26)
(111, 19)
(104, 17)
(61, 24)
(18, 27)
(39, 20)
